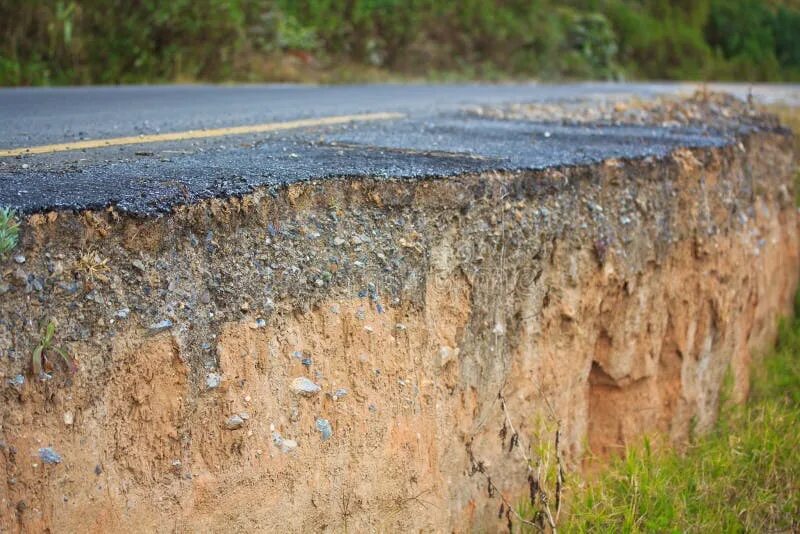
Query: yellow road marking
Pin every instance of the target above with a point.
(199, 134)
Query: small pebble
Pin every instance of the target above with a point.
(213, 380)
(18, 381)
(19, 258)
(70, 288)
(159, 327)
(49, 456)
(288, 445)
(233, 422)
(123, 313)
(303, 386)
(285, 445)
(324, 426)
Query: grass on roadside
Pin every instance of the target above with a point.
(744, 476)
(9, 230)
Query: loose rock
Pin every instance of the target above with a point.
(324, 426)
(285, 445)
(213, 380)
(234, 422)
(49, 456)
(159, 327)
(305, 387)
(18, 381)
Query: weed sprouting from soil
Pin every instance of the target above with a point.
(46, 349)
(9, 230)
(93, 266)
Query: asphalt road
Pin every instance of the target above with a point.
(173, 143)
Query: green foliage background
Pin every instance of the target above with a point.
(124, 41)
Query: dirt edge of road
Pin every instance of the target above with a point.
(379, 354)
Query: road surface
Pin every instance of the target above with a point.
(147, 149)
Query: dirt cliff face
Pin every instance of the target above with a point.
(375, 355)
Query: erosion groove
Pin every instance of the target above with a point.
(452, 327)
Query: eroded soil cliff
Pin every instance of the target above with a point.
(374, 355)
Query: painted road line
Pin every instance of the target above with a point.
(199, 134)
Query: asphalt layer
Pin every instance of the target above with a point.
(435, 139)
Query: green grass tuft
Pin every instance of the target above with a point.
(9, 231)
(46, 350)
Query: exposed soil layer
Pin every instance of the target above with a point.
(450, 327)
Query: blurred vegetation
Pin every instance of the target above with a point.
(125, 41)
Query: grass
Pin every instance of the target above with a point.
(9, 231)
(743, 477)
(93, 266)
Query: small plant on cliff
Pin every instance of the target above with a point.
(93, 266)
(46, 349)
(9, 230)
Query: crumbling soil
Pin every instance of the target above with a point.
(452, 327)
